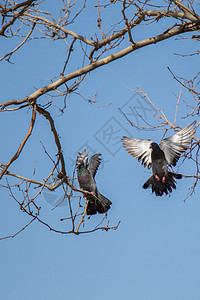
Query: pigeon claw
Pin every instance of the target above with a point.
(157, 178)
(163, 179)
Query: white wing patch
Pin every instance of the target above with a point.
(177, 144)
(139, 149)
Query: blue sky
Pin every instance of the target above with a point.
(154, 254)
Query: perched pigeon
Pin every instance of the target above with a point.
(86, 173)
(160, 157)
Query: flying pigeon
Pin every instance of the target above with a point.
(86, 173)
(160, 157)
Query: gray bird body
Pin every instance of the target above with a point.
(159, 165)
(161, 157)
(86, 181)
(86, 173)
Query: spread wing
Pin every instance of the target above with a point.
(139, 149)
(94, 163)
(177, 144)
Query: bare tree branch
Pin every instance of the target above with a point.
(101, 45)
(22, 144)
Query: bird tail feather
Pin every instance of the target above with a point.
(159, 187)
(102, 205)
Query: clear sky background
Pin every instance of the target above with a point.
(154, 254)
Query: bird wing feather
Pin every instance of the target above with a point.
(139, 149)
(177, 143)
(94, 163)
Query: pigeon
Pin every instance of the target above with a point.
(86, 173)
(161, 157)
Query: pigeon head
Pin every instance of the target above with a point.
(82, 159)
(154, 146)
